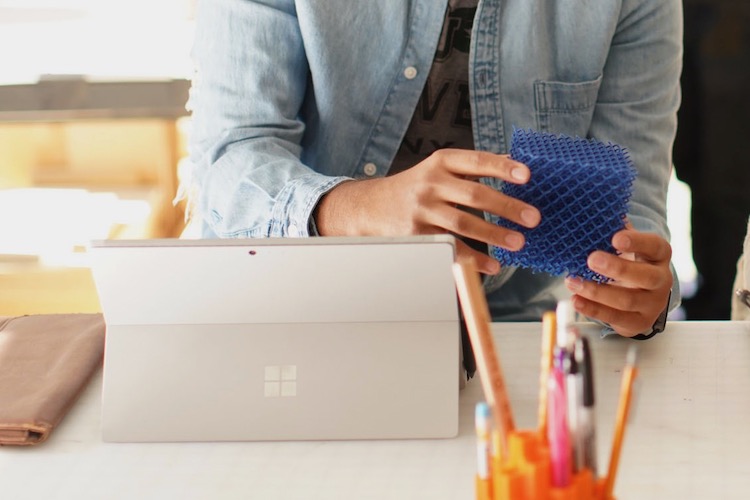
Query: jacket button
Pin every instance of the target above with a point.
(370, 169)
(410, 72)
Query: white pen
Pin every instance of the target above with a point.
(483, 423)
(567, 337)
(566, 333)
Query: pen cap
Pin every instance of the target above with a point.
(566, 316)
(483, 430)
(632, 363)
(482, 418)
(586, 367)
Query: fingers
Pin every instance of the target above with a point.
(470, 163)
(483, 262)
(641, 283)
(467, 193)
(629, 311)
(647, 246)
(635, 274)
(459, 222)
(442, 182)
(625, 323)
(478, 196)
(614, 296)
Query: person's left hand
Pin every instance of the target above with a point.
(640, 286)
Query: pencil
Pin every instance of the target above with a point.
(476, 314)
(626, 395)
(549, 327)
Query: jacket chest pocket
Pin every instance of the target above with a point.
(565, 107)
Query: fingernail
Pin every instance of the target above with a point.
(530, 216)
(577, 303)
(514, 240)
(492, 267)
(574, 284)
(597, 261)
(520, 173)
(622, 242)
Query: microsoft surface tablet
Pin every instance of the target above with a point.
(278, 339)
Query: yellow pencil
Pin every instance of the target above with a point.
(549, 333)
(626, 395)
(476, 314)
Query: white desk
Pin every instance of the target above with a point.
(689, 438)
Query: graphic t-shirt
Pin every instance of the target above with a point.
(442, 118)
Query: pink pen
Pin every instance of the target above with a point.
(557, 426)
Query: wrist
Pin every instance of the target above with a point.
(659, 324)
(345, 210)
(330, 214)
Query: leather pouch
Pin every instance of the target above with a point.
(45, 362)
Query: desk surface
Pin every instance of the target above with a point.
(688, 437)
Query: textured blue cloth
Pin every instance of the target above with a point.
(582, 188)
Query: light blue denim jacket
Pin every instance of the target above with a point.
(292, 97)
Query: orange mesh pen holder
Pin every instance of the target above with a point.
(526, 474)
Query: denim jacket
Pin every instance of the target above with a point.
(292, 97)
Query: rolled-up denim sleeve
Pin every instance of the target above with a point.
(251, 77)
(637, 105)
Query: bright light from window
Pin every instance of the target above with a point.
(101, 39)
(55, 225)
(678, 217)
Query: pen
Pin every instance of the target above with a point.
(483, 429)
(626, 393)
(586, 424)
(549, 325)
(566, 316)
(567, 336)
(573, 398)
(557, 425)
(476, 313)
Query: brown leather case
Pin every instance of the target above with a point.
(45, 362)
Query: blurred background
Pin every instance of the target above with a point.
(92, 136)
(709, 154)
(93, 126)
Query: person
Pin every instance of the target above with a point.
(709, 151)
(345, 117)
(740, 302)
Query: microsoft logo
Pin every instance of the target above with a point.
(280, 380)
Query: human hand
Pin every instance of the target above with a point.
(427, 199)
(641, 283)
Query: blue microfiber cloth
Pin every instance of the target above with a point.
(582, 188)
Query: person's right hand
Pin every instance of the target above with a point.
(427, 199)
